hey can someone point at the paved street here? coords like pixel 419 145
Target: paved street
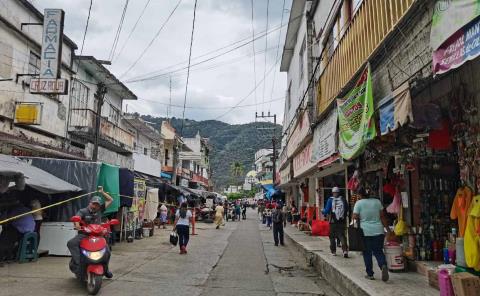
pixel 229 261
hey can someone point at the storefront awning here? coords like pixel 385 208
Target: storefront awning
pixel 34 177
pixel 166 175
pixel 395 109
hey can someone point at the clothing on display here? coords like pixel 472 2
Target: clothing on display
pixel 460 207
pixel 472 235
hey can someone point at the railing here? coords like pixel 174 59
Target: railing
pixel 201 179
pixel 82 121
pixel 370 25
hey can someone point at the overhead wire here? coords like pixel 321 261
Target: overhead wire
pixel 188 70
pixel 265 59
pixel 133 29
pixel 254 62
pixel 153 39
pixel 86 26
pixel 276 55
pixel 119 31
pixel 206 108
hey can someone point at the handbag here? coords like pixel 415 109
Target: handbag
pixel 355 237
pixel 174 238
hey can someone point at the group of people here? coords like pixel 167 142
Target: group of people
pixel 225 211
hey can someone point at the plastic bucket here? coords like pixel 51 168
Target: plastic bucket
pixel 460 253
pixel 146 232
pixel 394 257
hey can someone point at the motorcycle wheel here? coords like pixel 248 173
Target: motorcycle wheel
pixel 94 283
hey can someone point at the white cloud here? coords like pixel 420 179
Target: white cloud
pixel 221 82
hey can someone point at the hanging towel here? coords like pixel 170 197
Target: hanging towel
pixel 151 204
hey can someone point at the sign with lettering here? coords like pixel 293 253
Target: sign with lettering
pixel 302 162
pixel 299 134
pixel 51 57
pixel 48 86
pixel 324 138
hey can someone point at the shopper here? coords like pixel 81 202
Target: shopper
pixel 369 211
pixel 244 210
pixel 268 215
pixel 337 213
pixel 279 221
pixel 219 212
pixel 163 211
pixel 183 219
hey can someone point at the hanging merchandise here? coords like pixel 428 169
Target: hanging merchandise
pixel 151 204
pixel 401 228
pixel 460 207
pixel 354 181
pixel 472 235
pixel 394 207
pixel 355 117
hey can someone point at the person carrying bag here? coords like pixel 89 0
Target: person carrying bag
pixel 337 210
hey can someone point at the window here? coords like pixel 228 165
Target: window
pixel 145 151
pixel 289 96
pixel 167 157
pixel 114 115
pixel 34 63
pixel 80 93
pixel 301 60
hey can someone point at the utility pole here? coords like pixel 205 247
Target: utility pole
pixel 99 96
pixel 274 139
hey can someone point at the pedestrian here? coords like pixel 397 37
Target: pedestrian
pixel 237 211
pixel 163 215
pixel 268 215
pixel 244 210
pixel 37 216
pixel 219 212
pixel 183 219
pixel 225 210
pixel 369 211
pixel 279 222
pixel 337 213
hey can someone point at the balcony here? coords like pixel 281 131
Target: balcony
pixel 112 137
pixel 372 23
pixel 200 179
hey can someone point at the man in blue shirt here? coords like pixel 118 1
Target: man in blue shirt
pixel 336 211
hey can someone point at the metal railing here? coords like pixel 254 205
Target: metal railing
pixel 369 27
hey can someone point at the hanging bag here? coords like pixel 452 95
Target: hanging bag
pixel 174 238
pixel 355 237
pixel 401 227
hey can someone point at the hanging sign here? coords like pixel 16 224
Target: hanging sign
pixel 324 144
pixel 51 56
pixel 299 133
pixel 355 117
pixel 302 161
pixel 48 86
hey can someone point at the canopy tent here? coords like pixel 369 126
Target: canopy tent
pixel 34 177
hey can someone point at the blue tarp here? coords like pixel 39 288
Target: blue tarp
pixel 166 175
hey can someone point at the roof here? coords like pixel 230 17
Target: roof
pixel 252 174
pixel 294 23
pixel 37 12
pixel 143 127
pixel 34 177
pixel 99 72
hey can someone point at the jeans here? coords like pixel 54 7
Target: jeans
pixel 373 244
pixel 269 221
pixel 74 247
pixel 337 232
pixel 278 233
pixel 183 232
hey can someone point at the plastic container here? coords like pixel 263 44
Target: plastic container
pixel 394 256
pixel 445 283
pixel 460 253
pixel 146 232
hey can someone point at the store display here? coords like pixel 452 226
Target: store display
pixel 472 235
pixel 460 207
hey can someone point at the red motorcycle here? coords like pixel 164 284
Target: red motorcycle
pixel 94 253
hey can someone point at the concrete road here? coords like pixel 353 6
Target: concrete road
pixel 230 261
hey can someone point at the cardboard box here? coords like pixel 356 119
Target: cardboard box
pixel 433 278
pixel 466 284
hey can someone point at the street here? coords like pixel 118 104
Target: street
pixel 229 261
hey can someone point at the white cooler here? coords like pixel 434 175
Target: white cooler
pixel 54 237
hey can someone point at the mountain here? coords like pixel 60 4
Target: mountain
pixel 229 143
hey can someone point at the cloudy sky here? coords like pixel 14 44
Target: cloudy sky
pixel 216 83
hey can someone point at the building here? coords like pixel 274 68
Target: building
pixel 148 146
pixel 31 124
pixel 197 161
pixel 172 169
pixel 250 180
pixel 264 166
pixel 115 142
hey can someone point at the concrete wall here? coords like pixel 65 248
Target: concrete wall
pixel 110 157
pixel 147 165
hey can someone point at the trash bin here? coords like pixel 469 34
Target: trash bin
pixel 394 256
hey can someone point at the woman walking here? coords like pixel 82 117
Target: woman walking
pixel 163 211
pixel 183 218
pixel 219 212
pixel 369 211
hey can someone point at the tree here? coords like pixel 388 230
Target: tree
pixel 236 170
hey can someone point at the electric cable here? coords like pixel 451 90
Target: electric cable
pixel 86 26
pixel 265 60
pixel 276 55
pixel 119 30
pixel 254 62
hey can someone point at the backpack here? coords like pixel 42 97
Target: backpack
pixel 278 217
pixel 339 207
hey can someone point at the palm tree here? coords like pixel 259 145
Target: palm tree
pixel 236 170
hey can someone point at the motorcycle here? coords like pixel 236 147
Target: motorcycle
pixel 94 254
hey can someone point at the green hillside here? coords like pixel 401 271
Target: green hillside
pixel 230 143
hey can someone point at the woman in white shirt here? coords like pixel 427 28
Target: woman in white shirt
pixel 183 218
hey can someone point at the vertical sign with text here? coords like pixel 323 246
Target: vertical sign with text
pixel 52 43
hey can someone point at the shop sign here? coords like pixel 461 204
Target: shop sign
pixel 28 113
pixel 324 138
pixel 51 56
pixel 48 86
pixel 302 162
pixel 462 46
pixel 355 117
pixel 285 175
pixel 299 133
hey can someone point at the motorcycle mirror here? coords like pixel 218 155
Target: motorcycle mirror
pixel 76 219
pixel 114 222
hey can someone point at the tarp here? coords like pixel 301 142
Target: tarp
pixel 126 178
pixel 34 177
pixel 109 180
pixel 151 204
pixel 166 175
pixel 395 109
pixel 355 117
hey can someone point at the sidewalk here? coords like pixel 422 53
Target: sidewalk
pixel 347 275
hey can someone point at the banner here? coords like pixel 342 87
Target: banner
pixel 450 16
pixel 355 117
pixel 324 138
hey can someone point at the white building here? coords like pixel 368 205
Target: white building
pixel 264 166
pixel 197 161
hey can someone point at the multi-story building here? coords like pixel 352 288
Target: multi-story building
pixel 172 169
pixel 264 166
pixel 197 161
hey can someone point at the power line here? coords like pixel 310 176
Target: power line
pixel 188 70
pixel 86 26
pixel 134 27
pixel 119 30
pixel 265 60
pixel 153 40
pixel 254 62
pixel 209 108
pixel 278 48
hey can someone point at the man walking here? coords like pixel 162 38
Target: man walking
pixel 279 221
pixel 337 210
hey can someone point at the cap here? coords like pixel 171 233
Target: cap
pixel 96 199
pixel 335 190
